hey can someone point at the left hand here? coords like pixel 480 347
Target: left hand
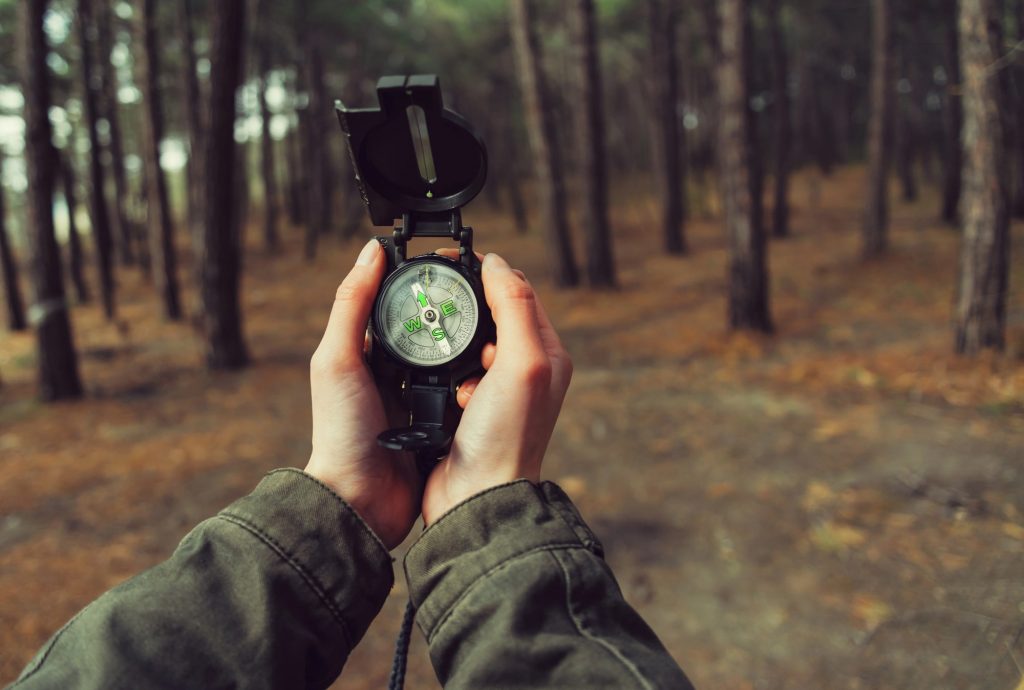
pixel 382 486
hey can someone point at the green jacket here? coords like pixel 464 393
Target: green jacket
pixel 510 587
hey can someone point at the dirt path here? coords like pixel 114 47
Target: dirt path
pixel 840 506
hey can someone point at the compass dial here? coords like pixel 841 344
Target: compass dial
pixel 427 312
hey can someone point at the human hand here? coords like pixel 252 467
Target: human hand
pixel 348 413
pixel 510 412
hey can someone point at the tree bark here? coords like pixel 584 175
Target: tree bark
pixel 221 256
pixel 9 272
pixel 748 271
pixel 161 230
pixel 782 128
pixel 270 206
pixel 98 213
pixel 984 254
pixel 876 216
pixel 547 165
pixel 194 127
pixel 121 227
pixel 58 364
pixel 74 242
pixel 663 21
pixel 591 141
pixel 952 169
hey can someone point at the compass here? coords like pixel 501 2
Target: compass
pixel 417 163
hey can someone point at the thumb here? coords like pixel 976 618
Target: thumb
pixel 343 341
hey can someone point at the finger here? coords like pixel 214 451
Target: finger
pixel 453 253
pixel 344 339
pixel 561 363
pixel 513 306
pixel 465 391
pixel 487 355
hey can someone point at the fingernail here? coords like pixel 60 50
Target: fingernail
pixel 492 261
pixel 368 253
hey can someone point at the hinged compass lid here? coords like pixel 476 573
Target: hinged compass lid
pixel 412 155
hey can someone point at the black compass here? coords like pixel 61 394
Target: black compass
pixel 417 163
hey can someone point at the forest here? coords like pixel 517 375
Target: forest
pixel 775 235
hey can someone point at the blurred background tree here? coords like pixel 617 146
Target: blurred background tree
pixel 575 100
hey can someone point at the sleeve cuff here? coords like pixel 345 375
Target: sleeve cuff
pixel 480 534
pixel 323 539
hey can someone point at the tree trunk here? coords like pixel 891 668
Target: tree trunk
pixel 876 216
pixel 221 257
pixel 98 213
pixel 591 142
pixel 953 114
pixel 120 224
pixel 312 199
pixel 318 203
pixel 161 231
pixel 9 270
pixel 905 130
pixel 985 252
pixel 270 207
pixel 58 364
pixel 540 124
pixel 293 144
pixel 192 105
pixel 782 129
pixel 662 24
pixel 74 242
pixel 748 272
pixel 1018 77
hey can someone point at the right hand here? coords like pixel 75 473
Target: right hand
pixel 511 411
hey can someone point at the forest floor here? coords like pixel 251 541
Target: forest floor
pixel 840 505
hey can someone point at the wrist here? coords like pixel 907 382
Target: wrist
pixel 370 503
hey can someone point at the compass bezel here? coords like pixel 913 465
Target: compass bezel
pixel 476 342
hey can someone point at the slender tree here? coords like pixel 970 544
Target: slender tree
pixel 192 104
pixel 293 144
pixel 876 216
pixel 317 203
pixel 121 226
pixel 98 213
pixel 9 269
pixel 663 20
pixel 985 251
pixel 74 242
pixel 748 270
pixel 952 164
pixel 161 231
pixel 782 131
pixel 1018 76
pixel 58 365
pixel 270 206
pixel 221 251
pixel 547 165
pixel 591 142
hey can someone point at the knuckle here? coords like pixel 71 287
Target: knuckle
pixel 518 291
pixel 537 372
pixel 348 290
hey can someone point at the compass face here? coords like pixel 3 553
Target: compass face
pixel 427 313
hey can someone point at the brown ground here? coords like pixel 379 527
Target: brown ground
pixel 839 506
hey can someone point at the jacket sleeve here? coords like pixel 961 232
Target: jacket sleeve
pixel 512 591
pixel 274 591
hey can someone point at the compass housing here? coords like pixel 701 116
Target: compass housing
pixel 468 358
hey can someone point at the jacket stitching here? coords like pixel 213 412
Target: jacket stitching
pixel 341 501
pixel 450 611
pixel 582 628
pixel 311 581
pixel 41 659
